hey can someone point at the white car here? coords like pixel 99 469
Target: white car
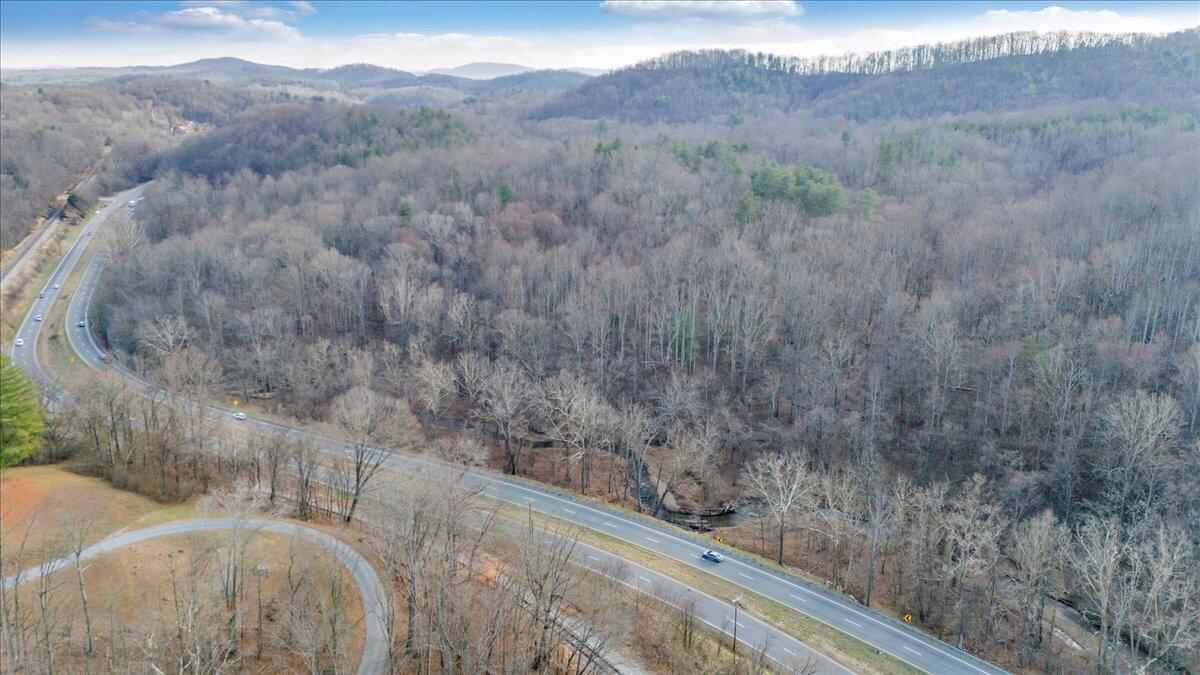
pixel 19 342
pixel 713 556
pixel 82 324
pixel 239 416
pixel 38 317
pixel 58 285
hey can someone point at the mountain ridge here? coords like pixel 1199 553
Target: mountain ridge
pixel 234 70
pixel 1017 69
pixel 482 70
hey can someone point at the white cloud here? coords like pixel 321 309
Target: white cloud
pixel 256 10
pixel 1055 18
pixel 200 21
pixel 704 10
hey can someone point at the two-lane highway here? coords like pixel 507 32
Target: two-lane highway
pixel 24 346
pixel 837 611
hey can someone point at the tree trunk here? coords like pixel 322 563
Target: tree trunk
pixel 782 530
pixel 510 458
pixel 87 615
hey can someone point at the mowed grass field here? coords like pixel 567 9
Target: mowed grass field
pixel 37 502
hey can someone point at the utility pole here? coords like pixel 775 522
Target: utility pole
pixel 260 572
pixel 736 603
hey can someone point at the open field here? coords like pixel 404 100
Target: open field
pixel 137 590
pixel 37 500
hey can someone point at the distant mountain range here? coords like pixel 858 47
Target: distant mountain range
pixel 359 81
pixel 233 69
pixel 483 70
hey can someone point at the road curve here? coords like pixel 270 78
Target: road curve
pixel 26 356
pixel 840 612
pixel 370 587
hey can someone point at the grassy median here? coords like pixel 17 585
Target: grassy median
pixel 852 653
pixel 30 282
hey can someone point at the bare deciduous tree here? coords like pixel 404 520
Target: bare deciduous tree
pixel 377 427
pixel 435 385
pixel 783 484
pixel 507 400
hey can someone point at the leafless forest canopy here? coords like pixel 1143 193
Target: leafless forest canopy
pixel 935 334
pixel 53 137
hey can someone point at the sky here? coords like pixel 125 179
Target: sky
pixel 418 36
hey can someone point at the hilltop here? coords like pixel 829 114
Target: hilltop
pixel 1006 72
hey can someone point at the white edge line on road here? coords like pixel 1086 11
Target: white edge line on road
pixel 828 598
pixel 926 641
pixel 724 630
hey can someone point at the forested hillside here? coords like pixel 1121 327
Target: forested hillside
pixel 953 312
pixel 1005 73
pixel 273 139
pixel 54 136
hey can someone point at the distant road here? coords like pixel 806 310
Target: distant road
pixel 370 587
pixel 27 251
pixel 840 612
pixel 26 357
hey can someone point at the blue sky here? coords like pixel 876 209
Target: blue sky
pixel 598 34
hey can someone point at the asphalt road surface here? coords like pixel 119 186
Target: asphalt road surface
pixel 837 611
pixel 26 356
pixel 28 250
pixel 370 587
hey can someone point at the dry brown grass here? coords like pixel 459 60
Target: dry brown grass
pixel 35 500
pixel 131 595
